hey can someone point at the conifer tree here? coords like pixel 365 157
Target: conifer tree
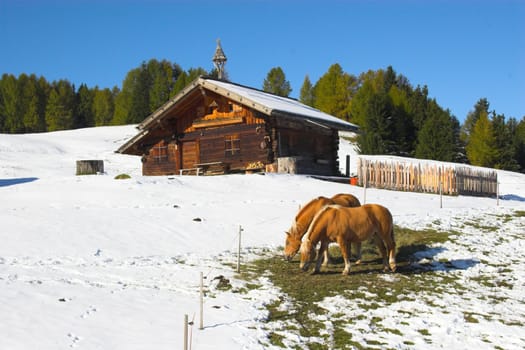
pixel 12 104
pixel 436 139
pixel 504 135
pixel 377 132
pixel 481 147
pixel 481 107
pixel 103 106
pixel 333 92
pixel 60 106
pixel 84 110
pixel 307 92
pixel 519 144
pixel 33 100
pixel 276 83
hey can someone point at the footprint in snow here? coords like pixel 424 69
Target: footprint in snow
pixel 74 339
pixel 91 310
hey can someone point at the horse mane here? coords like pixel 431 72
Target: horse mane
pixel 304 209
pixel 316 219
pixel 307 207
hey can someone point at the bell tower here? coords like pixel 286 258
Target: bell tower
pixel 219 60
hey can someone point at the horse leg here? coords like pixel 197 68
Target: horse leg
pixel 382 249
pixel 358 253
pixel 391 246
pixel 320 256
pixel 346 253
pixel 327 258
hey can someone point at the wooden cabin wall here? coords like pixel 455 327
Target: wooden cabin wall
pixel 304 143
pixel 161 159
pixel 188 120
pixel 312 152
pixel 219 145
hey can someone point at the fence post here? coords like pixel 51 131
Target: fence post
pixel 497 193
pixel 239 251
pixel 364 190
pixel 201 323
pixel 186 332
pixel 347 165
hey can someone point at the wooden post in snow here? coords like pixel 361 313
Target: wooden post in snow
pixel 347 165
pixel 440 189
pixel 497 193
pixel 201 303
pixel 239 251
pixel 185 332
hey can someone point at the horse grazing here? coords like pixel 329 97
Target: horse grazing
pixel 343 225
pixel 305 216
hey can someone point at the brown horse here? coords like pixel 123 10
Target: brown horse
pixel 305 216
pixel 343 225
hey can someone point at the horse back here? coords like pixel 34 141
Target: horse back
pixel 305 216
pixel 346 200
pixel 381 215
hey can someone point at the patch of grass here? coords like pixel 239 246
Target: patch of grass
pixel 519 213
pixel 122 177
pixel 367 285
pixel 424 331
pixel 469 317
pixel 276 339
pixel 479 226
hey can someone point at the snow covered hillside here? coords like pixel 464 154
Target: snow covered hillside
pixel 97 263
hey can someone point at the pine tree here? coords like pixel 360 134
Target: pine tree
pixel 519 144
pixel 482 147
pixel 12 104
pixel 276 83
pixel 333 92
pixel 504 135
pixel 60 106
pixel 377 132
pixel 481 107
pixel 84 111
pixel 103 106
pixel 33 100
pixel 163 77
pixel 307 92
pixel 436 138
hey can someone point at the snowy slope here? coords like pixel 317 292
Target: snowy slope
pixel 98 263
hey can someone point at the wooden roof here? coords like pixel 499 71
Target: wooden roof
pixel 263 102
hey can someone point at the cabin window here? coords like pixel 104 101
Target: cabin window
pixel 160 153
pixel 232 145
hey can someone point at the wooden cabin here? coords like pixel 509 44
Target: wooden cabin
pixel 216 127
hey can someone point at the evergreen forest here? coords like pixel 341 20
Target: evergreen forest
pixel 395 117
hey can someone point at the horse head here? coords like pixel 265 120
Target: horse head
pixel 293 240
pixel 307 254
pixel 291 244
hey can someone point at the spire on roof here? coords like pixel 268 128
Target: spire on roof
pixel 219 60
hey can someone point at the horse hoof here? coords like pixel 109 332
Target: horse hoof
pixel 358 262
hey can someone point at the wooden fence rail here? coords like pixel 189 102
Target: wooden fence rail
pixel 428 177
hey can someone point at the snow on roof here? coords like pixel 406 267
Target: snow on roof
pixel 274 104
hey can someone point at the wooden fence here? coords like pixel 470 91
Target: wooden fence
pixel 430 177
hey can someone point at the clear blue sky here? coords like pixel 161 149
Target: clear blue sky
pixel 462 50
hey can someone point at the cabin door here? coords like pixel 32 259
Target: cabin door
pixel 190 154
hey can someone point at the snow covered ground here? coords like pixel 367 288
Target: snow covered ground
pixel 97 263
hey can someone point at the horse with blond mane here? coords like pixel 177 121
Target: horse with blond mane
pixel 344 225
pixel 305 216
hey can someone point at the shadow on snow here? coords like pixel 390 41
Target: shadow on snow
pixel 17 181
